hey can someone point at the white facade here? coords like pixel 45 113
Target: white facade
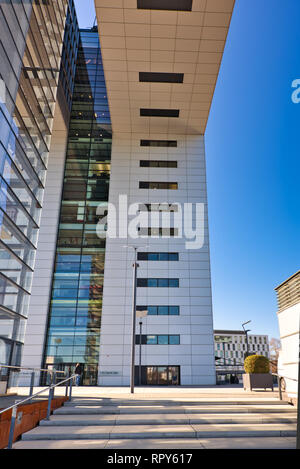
pixel 139 40
pixel 288 360
pixel 36 328
pixel 288 296
pixel 194 324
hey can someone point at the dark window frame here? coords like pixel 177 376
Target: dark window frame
pixel 144 282
pixel 158 164
pixel 158 143
pixel 177 5
pixel 160 77
pixel 147 112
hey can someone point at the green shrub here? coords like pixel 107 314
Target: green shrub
pixel 256 364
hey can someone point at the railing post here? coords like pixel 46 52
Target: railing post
pixel 279 388
pixel 49 403
pixel 70 391
pixel 12 427
pixel 54 382
pixel 31 383
pixel 67 383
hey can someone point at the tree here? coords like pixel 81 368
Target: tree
pixel 275 347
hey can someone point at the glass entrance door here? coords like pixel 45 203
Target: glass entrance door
pixel 88 377
pixel 162 375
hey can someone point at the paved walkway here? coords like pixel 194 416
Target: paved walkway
pixel 153 392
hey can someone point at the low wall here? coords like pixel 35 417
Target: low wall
pixel 28 417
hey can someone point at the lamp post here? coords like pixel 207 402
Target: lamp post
pixel 246 334
pixel 298 399
pixel 140 361
pixel 135 266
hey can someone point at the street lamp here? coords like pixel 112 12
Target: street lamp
pixel 135 265
pixel 298 398
pixel 140 361
pixel 246 334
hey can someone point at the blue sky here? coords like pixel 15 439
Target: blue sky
pixel 252 151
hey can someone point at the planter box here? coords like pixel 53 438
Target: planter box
pixel 28 417
pixel 257 381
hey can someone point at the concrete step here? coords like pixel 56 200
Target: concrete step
pixel 169 403
pixel 169 419
pixel 109 432
pixel 164 443
pixel 172 409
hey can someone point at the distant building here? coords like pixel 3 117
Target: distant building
pixel 230 350
pixel 288 297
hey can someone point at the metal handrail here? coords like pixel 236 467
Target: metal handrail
pixel 32 369
pixel 280 377
pixel 285 377
pixel 51 395
pixel 33 372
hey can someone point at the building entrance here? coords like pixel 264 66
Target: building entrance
pixel 89 375
pixel 158 375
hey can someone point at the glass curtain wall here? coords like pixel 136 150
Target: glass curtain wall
pixel 76 304
pixel 31 38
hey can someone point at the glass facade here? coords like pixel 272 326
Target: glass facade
pixel 31 39
pixel 69 56
pixel 75 310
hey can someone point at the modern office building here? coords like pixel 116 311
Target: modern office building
pixel 127 178
pixel 161 62
pixel 288 314
pixel 231 349
pixel 32 35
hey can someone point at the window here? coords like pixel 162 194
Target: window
pixel 158 164
pixel 156 77
pixel 151 340
pixel 180 5
pixel 158 256
pixel 158 282
pixel 158 185
pixel 161 339
pixel 158 143
pixel 156 207
pixel 159 310
pixel 174 339
pixel 159 112
pixel 157 232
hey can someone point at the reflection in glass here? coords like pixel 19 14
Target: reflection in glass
pixel 75 313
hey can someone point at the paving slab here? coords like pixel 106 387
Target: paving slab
pixel 240 409
pixel 64 410
pixel 207 443
pixel 68 433
pixel 153 431
pixel 249 443
pixel 63 444
pixel 245 430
